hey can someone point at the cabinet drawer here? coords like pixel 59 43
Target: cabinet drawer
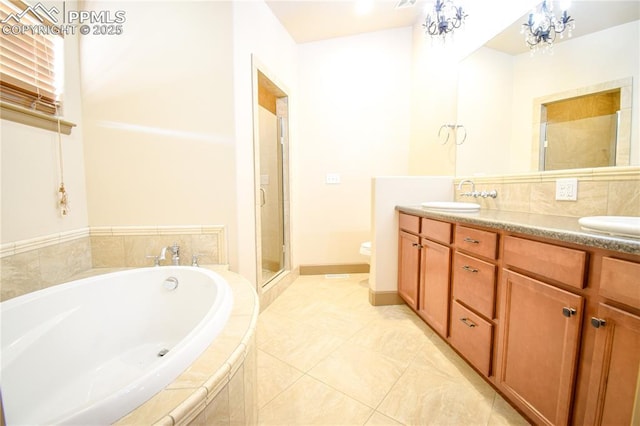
pixel 471 335
pixel 620 281
pixel 474 283
pixel 561 264
pixel 482 243
pixel 409 223
pixel 436 230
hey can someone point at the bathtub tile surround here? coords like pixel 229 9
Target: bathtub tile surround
pixel 127 246
pixel 32 265
pixel 370 365
pixel 38 263
pixel 220 387
pixel 601 191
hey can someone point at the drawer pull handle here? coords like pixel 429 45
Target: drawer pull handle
pixel 469 268
pixel 567 312
pixel 471 240
pixel 468 322
pixel 597 322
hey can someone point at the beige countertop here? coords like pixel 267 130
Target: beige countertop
pixel 562 228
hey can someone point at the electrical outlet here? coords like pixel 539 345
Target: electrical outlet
pixel 567 189
pixel 332 178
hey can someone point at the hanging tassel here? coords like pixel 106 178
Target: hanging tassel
pixel 63 201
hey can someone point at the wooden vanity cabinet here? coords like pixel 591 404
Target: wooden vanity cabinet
pixel 615 367
pixel 473 296
pixel 424 267
pixel 433 306
pixel 408 268
pixel 555 327
pixel 614 378
pixel 540 328
pixel 538 347
pixel 409 259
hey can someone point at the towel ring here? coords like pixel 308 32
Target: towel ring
pixel 448 134
pixel 460 126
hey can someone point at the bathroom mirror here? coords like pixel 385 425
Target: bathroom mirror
pixel 504 89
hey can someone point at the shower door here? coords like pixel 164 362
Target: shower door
pixel 272 118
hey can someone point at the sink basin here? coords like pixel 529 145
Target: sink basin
pixel 451 206
pixel 627 226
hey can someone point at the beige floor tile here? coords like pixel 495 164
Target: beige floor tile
pixel 360 373
pixel 504 414
pixel 427 397
pixel 437 354
pixel 274 376
pixel 310 402
pixel 357 355
pixel 398 338
pixel 378 419
pixel 272 324
pixel 302 349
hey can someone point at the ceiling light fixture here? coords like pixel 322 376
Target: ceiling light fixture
pixel 443 18
pixel 542 27
pixel 405 3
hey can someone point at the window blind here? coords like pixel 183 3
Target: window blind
pixel 27 62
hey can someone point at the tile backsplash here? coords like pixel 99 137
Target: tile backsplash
pixel 601 191
pixel 30 265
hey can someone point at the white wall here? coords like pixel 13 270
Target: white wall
pixel 389 192
pixel 159 119
pixel 258 33
pixel 485 93
pixel 354 118
pixel 30 173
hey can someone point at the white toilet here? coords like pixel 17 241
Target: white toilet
pixel 365 249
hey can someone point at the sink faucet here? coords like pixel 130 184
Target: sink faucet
pixel 473 192
pixel 175 254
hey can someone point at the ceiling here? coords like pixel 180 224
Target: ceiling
pixel 319 20
pixel 309 21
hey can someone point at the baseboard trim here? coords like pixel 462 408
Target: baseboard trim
pixel 353 268
pixel 383 298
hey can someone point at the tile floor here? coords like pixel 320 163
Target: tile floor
pixel 326 356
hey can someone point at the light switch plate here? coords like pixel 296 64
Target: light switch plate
pixel 332 178
pixel 567 189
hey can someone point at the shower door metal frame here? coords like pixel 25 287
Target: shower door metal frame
pixel 281 93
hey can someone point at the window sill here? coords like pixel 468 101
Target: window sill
pixel 34 118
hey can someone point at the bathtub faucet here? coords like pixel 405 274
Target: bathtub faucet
pixel 175 253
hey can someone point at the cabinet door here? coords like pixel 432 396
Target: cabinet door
pixel 434 285
pixel 408 268
pixel 539 338
pixel 614 376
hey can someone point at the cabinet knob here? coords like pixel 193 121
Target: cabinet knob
pixel 468 322
pixel 469 268
pixel 597 322
pixel 416 245
pixel 567 312
pixel 471 240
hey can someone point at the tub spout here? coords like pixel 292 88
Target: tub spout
pixel 175 254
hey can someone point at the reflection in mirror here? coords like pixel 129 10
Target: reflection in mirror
pixel 581 132
pixel 502 88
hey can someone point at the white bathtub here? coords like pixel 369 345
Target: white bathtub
pixel 88 351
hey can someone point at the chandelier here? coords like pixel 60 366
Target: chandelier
pixel 444 18
pixel 543 26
